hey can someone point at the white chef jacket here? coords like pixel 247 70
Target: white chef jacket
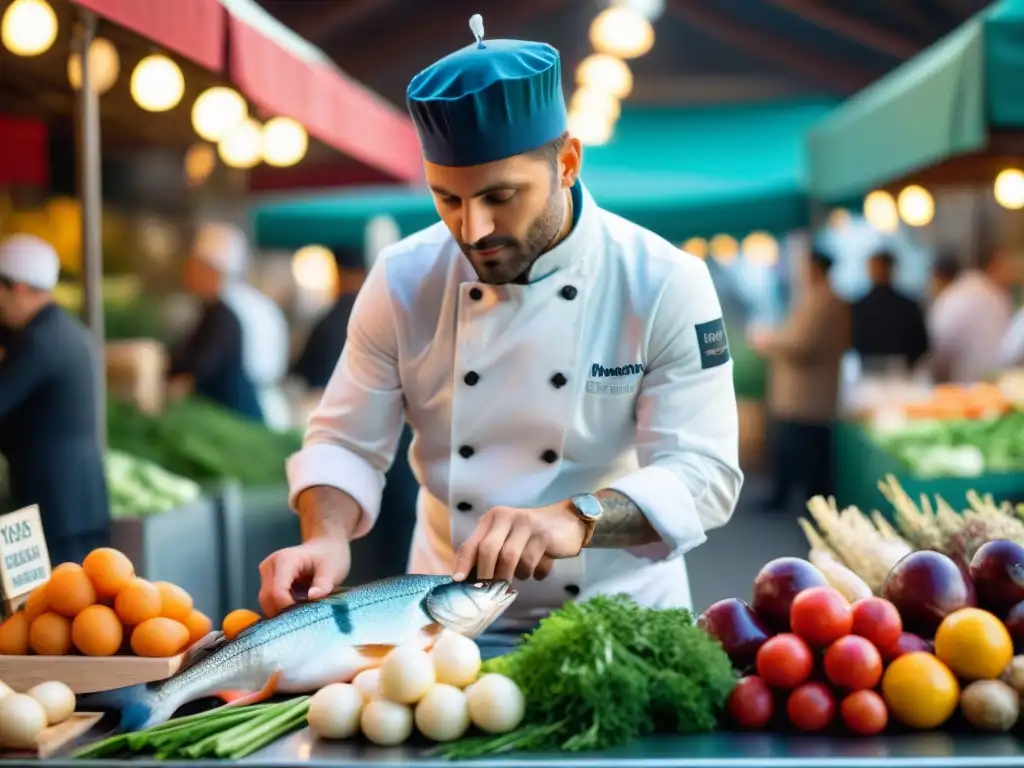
pixel 265 347
pixel 605 371
pixel 967 324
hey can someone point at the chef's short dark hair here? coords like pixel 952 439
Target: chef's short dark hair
pixel 550 151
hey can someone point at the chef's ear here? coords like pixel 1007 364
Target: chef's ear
pixel 570 158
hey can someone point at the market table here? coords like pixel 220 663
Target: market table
pixel 724 750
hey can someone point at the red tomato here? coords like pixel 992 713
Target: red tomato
pixel 751 704
pixel 811 707
pixel 853 663
pixel 864 712
pixel 906 643
pixel 820 615
pixel 878 620
pixel 784 661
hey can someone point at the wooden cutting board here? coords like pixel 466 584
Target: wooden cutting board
pixel 55 738
pixel 85 674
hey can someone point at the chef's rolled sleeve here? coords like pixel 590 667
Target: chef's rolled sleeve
pixel 353 433
pixel 687 429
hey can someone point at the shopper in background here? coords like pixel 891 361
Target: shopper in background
pixel 49 425
pixel 944 272
pixel 887 324
pixel 210 361
pixel 805 356
pixel 970 318
pixel 323 347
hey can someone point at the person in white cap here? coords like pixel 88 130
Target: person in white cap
pixel 238 352
pixel 49 425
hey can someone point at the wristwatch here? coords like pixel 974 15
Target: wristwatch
pixel 588 509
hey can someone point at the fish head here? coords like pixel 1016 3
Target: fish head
pixel 469 607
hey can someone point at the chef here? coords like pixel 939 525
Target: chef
pixel 238 351
pixel 566 373
pixel 49 426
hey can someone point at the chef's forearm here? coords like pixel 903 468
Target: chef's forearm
pixel 326 512
pixel 622 523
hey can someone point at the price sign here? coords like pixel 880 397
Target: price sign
pixel 24 559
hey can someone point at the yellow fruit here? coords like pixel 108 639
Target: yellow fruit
pixel 109 570
pixel 14 635
pixel 974 643
pixel 50 635
pixel 137 602
pixel 237 621
pixel 920 691
pixel 97 631
pixel 159 637
pixel 175 602
pixel 69 590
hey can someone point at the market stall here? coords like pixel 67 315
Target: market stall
pixel 942 440
pixel 962 98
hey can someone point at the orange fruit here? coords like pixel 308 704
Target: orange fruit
pixel 14 635
pixel 69 590
pixel 109 570
pixel 50 635
pixel 238 620
pixel 198 625
pixel 176 603
pixel 159 637
pixel 36 604
pixel 974 643
pixel 920 690
pixel 137 602
pixel 97 631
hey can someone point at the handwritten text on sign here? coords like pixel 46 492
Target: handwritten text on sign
pixel 24 559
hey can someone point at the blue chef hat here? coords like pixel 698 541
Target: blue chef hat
pixel 488 101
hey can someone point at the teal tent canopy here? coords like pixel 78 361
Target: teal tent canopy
pixel 940 105
pixel 681 173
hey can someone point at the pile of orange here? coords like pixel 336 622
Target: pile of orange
pixel 101 608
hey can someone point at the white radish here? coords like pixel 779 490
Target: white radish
pixel 334 711
pixel 496 704
pixel 386 723
pixel 368 683
pixel 406 674
pixel 443 714
pixel 456 659
pixel 22 719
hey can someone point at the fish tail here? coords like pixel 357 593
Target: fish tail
pixel 140 706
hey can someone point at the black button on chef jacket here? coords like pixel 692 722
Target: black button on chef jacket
pixel 49 431
pixel 212 355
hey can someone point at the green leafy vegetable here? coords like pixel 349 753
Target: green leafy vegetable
pixel 228 733
pixel 602 673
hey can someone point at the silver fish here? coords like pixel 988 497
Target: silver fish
pixel 316 643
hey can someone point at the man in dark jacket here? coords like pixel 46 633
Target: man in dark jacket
pixel 887 323
pixel 49 426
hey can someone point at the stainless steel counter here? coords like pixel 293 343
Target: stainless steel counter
pixel 931 750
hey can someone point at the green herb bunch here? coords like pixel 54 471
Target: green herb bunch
pixel 602 673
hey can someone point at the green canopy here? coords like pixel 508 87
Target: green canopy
pixel 681 173
pixel 938 105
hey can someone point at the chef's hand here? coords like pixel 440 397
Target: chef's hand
pixel 759 338
pixel 522 543
pixel 320 564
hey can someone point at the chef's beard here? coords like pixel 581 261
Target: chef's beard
pixel 512 264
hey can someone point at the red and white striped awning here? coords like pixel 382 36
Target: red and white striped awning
pixel 280 72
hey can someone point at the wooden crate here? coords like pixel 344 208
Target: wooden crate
pixel 84 674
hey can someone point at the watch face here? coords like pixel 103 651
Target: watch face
pixel 588 505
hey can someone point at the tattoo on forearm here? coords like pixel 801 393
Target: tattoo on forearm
pixel 622 524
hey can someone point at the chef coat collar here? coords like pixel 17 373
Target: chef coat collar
pixel 576 243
